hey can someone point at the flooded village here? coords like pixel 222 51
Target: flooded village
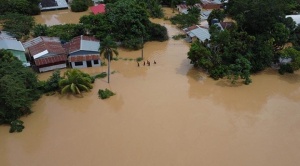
pixel 165 114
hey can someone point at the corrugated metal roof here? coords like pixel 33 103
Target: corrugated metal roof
pixel 80 58
pixel 296 18
pixel 201 33
pixel 11 44
pixel 39 40
pixel 205 2
pixel 51 60
pixel 5 34
pixel 86 43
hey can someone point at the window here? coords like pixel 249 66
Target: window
pixel 96 61
pixel 78 63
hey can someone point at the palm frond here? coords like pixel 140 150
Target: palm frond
pixel 77 90
pixel 65 89
pixel 73 88
pixel 83 87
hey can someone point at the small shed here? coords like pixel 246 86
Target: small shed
pixel 83 52
pixel 46 53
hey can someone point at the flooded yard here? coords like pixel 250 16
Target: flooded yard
pixel 165 114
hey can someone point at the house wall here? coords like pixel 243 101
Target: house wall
pixel 48 68
pixel 84 64
pixel 20 55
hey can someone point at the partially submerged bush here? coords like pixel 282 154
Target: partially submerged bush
pixel 101 75
pixel 104 94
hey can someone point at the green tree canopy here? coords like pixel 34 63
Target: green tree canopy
pixel 17 24
pixel 133 19
pixel 18 89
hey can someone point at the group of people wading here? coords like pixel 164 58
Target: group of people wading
pixel 148 63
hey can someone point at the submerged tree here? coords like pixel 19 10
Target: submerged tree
pixel 108 48
pixel 19 88
pixel 75 81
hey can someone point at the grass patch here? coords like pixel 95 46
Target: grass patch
pixel 104 94
pixel 115 58
pixel 113 72
pixel 179 36
pixel 139 59
pixel 125 59
pixel 130 59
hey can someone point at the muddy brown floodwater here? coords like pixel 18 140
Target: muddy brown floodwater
pixel 166 114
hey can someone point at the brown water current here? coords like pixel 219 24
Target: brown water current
pixel 166 114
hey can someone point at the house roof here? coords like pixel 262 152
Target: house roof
pixel 80 58
pixel 200 32
pixel 206 2
pixel 190 28
pixel 226 25
pixel 6 34
pixel 11 44
pixel 44 46
pixel 50 60
pixel 296 18
pixel 53 5
pixel 98 9
pixel 82 43
pixel 182 6
pixel 204 14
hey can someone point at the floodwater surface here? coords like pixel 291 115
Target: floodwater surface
pixel 165 114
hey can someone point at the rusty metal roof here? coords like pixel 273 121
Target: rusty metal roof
pixel 86 43
pixel 50 60
pixel 80 58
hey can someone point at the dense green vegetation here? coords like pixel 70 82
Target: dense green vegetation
pixel 65 31
pixel 19 88
pixel 80 5
pixel 133 19
pixel 26 7
pixel 254 44
pixel 104 94
pixel 51 85
pixel 17 24
pixel 185 20
pixel 216 14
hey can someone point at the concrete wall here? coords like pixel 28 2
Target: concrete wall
pixel 84 64
pixel 48 68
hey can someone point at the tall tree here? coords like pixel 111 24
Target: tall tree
pixel 108 48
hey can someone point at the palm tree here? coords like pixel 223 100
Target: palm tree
pixel 108 48
pixel 75 81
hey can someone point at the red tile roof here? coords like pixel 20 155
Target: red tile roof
pixel 47 61
pixel 80 58
pixel 98 9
